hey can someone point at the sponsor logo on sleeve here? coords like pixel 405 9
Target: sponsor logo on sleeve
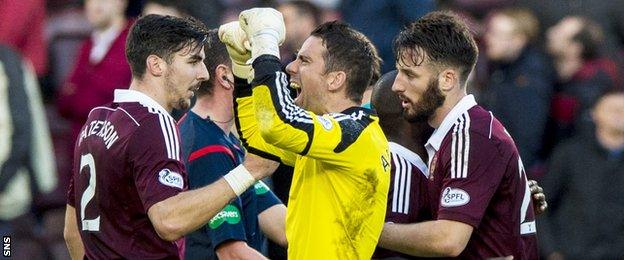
pixel 229 214
pixel 325 122
pixel 453 197
pixel 261 188
pixel 171 179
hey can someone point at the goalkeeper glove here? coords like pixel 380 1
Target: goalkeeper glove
pixel 238 48
pixel 265 30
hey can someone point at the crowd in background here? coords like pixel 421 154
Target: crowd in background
pixel 543 67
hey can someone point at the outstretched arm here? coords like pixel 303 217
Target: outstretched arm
pixel 187 211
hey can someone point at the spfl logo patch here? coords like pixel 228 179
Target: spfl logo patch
pixel 454 197
pixel 171 179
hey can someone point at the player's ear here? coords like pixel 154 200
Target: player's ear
pixel 223 76
pixel 336 79
pixel 155 65
pixel 448 79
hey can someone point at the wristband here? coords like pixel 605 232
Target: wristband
pixel 239 179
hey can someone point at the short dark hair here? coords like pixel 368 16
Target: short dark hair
pixel 216 54
pixel 308 9
pixel 440 37
pixel 162 36
pixel 590 36
pixel 350 51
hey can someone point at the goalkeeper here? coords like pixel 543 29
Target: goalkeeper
pixel 341 178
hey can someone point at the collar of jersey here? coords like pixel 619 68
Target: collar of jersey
pixel 410 156
pixel 461 107
pixel 128 95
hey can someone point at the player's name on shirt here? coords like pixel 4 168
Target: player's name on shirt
pixel 103 129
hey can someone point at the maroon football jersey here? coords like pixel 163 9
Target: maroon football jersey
pixel 476 177
pixel 127 158
pixel 407 197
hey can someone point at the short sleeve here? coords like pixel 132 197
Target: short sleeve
pixel 228 224
pixel 208 169
pixel 154 155
pixel 266 197
pixel 474 174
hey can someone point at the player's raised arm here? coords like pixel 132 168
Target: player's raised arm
pixel 238 47
pixel 283 122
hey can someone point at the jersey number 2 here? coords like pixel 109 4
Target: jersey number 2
pixel 89 193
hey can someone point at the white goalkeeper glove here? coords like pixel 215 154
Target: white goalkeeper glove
pixel 265 30
pixel 238 48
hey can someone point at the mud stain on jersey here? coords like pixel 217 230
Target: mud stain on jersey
pixel 357 211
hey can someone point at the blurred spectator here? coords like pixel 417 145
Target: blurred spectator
pixel 476 8
pixel 300 18
pixel 101 66
pixel 584 74
pixel 521 80
pixel 210 12
pixel 381 20
pixel 232 8
pixel 584 185
pixel 21 27
pixel 66 29
pixel 27 168
pixel 608 14
pixel 162 7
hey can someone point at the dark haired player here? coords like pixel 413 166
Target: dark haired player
pixel 479 194
pixel 126 197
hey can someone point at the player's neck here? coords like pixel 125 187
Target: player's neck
pixel 451 100
pixel 217 108
pixel 338 104
pixel 148 88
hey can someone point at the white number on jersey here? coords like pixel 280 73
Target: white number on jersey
pixel 89 193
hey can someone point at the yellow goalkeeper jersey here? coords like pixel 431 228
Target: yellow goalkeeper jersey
pixel 340 185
